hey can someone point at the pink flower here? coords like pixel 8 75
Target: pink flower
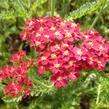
pixel 64 48
pixel 58 80
pixel 73 76
pixel 13 89
pixel 15 76
pixel 80 53
pixel 41 70
pixel 26 92
pixel 18 56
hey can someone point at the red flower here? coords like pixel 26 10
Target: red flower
pixel 59 80
pixel 41 70
pixel 26 92
pixel 73 76
pixel 16 74
pixel 63 49
pixel 18 56
pixel 13 89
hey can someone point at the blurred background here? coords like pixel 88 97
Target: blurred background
pixel 14 13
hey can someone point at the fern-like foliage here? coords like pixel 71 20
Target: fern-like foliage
pixel 13 14
pixel 41 85
pixel 85 9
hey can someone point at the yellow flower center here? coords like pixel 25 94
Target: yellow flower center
pixel 59 79
pixel 57 46
pixel 62 23
pixel 57 33
pixel 37 35
pixel 52 28
pixel 92 32
pixel 57 65
pixel 66 52
pixel 24 35
pixel 86 36
pixel 68 35
pixel 41 29
pixel 73 25
pixel 43 58
pixel 91 59
pixel 53 56
pixel 79 52
pixel 71 63
pixel 99 63
pixel 41 20
pixel 101 48
pixel 30 23
pixel 47 36
pixel 90 43
pixel 37 43
pixel 65 45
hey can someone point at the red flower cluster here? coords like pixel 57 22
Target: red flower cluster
pixel 64 50
pixel 15 77
pixel 17 57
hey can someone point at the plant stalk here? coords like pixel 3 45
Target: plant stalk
pixel 98 94
pixel 94 22
pixel 52 3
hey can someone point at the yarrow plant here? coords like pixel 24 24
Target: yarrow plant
pixel 15 77
pixel 63 50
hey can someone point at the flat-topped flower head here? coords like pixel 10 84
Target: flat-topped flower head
pixel 62 49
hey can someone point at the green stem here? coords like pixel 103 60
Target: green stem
pixel 65 7
pixel 98 15
pixel 98 94
pixel 21 46
pixel 52 3
pixel 94 22
pixel 17 107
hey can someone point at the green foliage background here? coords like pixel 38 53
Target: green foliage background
pixel 91 91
